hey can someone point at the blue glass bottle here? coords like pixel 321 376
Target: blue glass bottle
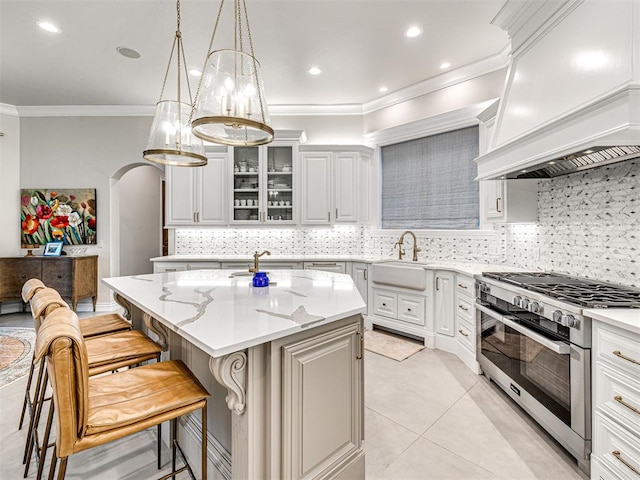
pixel 260 279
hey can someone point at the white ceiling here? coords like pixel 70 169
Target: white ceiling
pixel 359 45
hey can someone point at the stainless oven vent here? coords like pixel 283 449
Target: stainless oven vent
pixel 594 157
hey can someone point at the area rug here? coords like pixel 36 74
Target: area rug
pixel 16 351
pixel 391 346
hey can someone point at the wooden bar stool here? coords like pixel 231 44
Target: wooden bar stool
pixel 94 411
pixel 105 353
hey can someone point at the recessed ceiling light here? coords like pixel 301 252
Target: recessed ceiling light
pixel 383 89
pixel 128 52
pixel 444 65
pixel 413 32
pixel 194 73
pixel 49 27
pixel 315 71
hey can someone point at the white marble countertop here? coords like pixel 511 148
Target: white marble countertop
pixel 466 268
pixel 627 318
pixel 222 315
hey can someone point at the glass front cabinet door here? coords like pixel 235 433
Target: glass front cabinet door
pixel 264 184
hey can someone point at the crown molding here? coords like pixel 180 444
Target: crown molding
pixel 461 118
pixel 6 109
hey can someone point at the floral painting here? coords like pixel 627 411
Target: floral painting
pixel 67 216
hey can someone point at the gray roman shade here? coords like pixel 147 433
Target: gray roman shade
pixel 428 183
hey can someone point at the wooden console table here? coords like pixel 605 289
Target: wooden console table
pixel 74 278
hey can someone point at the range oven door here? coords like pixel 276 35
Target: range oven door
pixel 552 371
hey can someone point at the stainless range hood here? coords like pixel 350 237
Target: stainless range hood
pixel 572 95
pixel 590 158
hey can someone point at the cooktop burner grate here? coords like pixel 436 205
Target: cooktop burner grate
pixel 578 291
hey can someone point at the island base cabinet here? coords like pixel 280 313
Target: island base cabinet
pixel 322 403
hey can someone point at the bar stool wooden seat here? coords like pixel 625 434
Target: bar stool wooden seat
pixel 92 411
pixel 105 353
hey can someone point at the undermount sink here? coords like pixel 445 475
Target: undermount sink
pixel 243 273
pixel 398 273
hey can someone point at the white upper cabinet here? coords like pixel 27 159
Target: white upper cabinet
pixel 196 196
pixel 315 187
pixel 263 183
pixel 345 181
pixel 334 186
pixel 510 201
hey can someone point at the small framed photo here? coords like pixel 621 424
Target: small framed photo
pixel 52 249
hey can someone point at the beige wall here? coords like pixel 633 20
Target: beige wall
pixel 83 152
pixel 10 181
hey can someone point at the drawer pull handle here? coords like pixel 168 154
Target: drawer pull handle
pixel 618 455
pixel 361 352
pixel 617 353
pixel 462 307
pixel 618 398
pixel 462 286
pixel 462 332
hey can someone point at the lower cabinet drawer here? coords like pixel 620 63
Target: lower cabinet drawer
pixel 616 448
pixel 385 304
pixel 464 307
pixel 619 348
pixel 411 309
pixel 465 333
pixel 600 471
pixel 618 395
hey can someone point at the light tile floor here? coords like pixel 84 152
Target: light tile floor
pixel 428 417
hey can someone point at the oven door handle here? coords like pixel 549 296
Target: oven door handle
pixel 559 347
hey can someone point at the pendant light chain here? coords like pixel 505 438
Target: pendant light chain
pixel 206 58
pixel 171 141
pixel 255 61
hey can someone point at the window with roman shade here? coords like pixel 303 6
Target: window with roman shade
pixel 428 183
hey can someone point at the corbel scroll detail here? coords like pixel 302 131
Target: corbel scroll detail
pixel 230 372
pixel 124 303
pixel 157 328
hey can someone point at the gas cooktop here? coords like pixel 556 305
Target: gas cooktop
pixel 578 291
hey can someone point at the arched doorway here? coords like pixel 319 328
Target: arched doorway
pixel 138 218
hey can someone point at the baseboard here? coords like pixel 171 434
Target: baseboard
pixel 218 458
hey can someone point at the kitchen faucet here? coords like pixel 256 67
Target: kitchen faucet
pixel 256 265
pixel 400 242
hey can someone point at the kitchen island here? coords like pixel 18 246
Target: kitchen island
pixel 288 358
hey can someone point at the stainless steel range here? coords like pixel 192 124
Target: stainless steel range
pixel 535 343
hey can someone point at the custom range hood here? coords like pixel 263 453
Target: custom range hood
pixel 572 94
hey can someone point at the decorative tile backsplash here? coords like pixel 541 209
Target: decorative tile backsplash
pixel 344 240
pixel 340 240
pixel 588 226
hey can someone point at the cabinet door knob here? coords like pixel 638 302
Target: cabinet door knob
pixel 59 276
pixel 408 309
pixel 384 304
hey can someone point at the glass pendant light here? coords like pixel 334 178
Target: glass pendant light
pixel 230 106
pixel 171 141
